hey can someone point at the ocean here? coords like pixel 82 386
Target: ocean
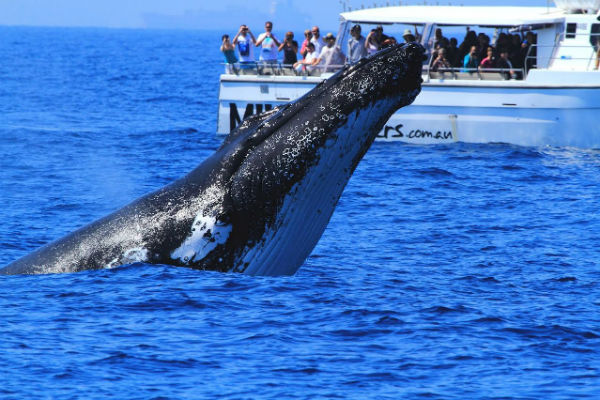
pixel 460 271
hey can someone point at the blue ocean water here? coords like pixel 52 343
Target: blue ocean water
pixel 447 272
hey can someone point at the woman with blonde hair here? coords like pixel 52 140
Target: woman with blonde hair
pixel 307 37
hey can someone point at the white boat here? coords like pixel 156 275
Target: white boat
pixel 553 99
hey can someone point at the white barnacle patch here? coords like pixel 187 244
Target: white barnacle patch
pixel 207 234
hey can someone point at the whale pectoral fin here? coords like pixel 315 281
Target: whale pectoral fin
pixel 250 124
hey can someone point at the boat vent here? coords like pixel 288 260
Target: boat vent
pixel 579 6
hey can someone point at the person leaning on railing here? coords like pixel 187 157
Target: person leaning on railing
pixel 441 63
pixel 309 61
pixel 505 64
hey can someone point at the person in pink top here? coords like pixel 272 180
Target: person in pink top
pixel 489 61
pixel 304 47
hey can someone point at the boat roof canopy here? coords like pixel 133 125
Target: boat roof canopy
pixel 457 15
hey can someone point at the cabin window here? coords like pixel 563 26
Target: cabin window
pixel 571 29
pixel 595 35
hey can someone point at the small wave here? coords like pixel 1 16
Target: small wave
pixel 553 331
pixel 164 99
pixel 487 279
pixel 307 371
pixel 434 172
pixel 355 333
pixel 489 320
pixel 118 78
pixel 182 131
pixel 566 279
pixel 389 321
pixel 524 153
pixel 512 167
pixel 446 310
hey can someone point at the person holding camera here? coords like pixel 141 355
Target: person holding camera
pixel 290 49
pixel 245 41
pixel 228 51
pixel 269 45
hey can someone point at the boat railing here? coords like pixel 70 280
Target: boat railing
pixel 582 60
pixel 279 69
pixel 481 74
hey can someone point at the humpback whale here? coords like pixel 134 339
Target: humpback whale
pixel 261 202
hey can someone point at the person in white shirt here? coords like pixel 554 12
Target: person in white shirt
pixel 331 57
pixel 317 40
pixel 309 61
pixel 244 41
pixel 269 45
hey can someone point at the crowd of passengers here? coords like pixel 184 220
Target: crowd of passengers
pixel 317 53
pixel 509 54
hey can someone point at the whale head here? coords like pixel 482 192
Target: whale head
pixel 280 174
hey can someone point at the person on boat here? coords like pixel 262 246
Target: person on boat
pixel 331 57
pixel 529 50
pixel 304 48
pixel 597 58
pixel 309 61
pixel 452 53
pixel 244 41
pixel 374 40
pixel 390 41
pixel 438 41
pixel 502 43
pixel 229 52
pixel 441 63
pixel 514 51
pixel 316 39
pixel 505 64
pixel 290 49
pixel 356 45
pixel 469 41
pixel 470 63
pixel 408 36
pixel 489 61
pixel 483 42
pixel 269 45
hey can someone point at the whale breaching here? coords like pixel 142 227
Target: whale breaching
pixel 261 202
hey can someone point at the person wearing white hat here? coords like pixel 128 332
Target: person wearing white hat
pixel 408 36
pixel 331 57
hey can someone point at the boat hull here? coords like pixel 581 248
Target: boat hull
pixel 499 112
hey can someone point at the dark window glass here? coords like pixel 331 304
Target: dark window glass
pixel 571 29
